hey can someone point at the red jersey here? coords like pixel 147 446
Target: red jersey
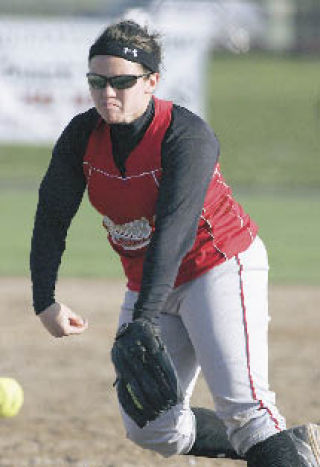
pixel 128 204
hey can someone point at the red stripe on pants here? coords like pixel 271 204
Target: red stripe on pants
pixel 245 323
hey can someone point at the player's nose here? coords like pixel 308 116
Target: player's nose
pixel 109 91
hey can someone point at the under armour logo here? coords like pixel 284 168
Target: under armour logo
pixel 134 52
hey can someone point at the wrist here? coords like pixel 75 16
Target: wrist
pixel 145 315
pixel 40 309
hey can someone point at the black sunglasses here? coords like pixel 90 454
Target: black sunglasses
pixel 118 82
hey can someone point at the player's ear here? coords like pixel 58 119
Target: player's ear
pixel 151 83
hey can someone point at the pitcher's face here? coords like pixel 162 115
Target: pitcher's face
pixel 121 105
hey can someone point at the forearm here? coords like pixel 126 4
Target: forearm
pixel 47 247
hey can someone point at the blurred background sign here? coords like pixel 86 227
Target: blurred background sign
pixel 43 62
pixel 42 75
pixel 44 47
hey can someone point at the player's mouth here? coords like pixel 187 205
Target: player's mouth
pixel 110 105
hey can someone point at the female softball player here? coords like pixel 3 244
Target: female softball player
pixel 196 268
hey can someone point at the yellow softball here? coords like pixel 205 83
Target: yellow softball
pixel 11 397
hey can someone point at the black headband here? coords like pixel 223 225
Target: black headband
pixel 128 52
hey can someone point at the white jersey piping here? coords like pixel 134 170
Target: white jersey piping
pixel 106 174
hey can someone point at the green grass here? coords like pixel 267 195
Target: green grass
pixel 87 253
pixel 22 166
pixel 266 112
pixel 288 225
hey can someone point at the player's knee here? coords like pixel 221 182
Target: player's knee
pixel 163 445
pixel 170 434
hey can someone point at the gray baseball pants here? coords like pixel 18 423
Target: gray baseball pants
pixel 219 323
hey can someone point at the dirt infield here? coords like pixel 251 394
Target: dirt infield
pixel 70 415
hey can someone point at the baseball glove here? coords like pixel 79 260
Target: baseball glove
pixel 147 383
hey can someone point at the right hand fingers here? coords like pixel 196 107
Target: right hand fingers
pixel 60 321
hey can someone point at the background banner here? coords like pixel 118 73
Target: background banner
pixel 43 62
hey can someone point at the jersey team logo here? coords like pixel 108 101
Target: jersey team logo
pixel 130 236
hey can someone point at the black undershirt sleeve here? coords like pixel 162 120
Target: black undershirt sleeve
pixel 60 195
pixel 189 154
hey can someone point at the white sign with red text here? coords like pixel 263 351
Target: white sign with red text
pixel 43 62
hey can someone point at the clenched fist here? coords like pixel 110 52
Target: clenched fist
pixel 60 321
